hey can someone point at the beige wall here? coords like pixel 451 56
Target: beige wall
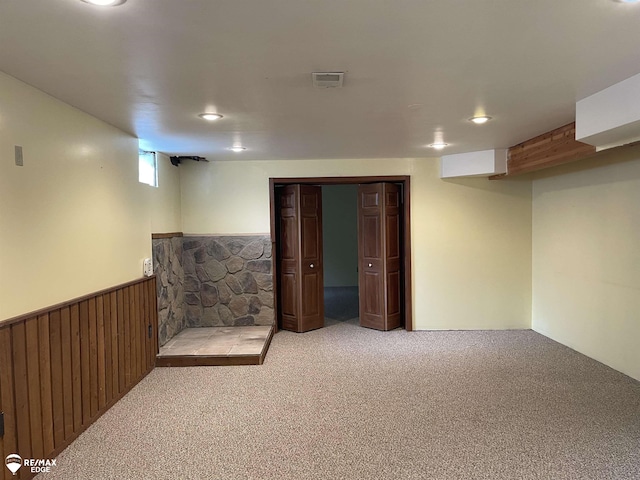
pixel 586 258
pixel 472 251
pixel 74 218
pixel 164 207
pixel 233 197
pixel 471 238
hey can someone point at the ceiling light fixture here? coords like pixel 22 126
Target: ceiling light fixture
pixel 439 145
pixel 105 3
pixel 627 1
pixel 237 149
pixel 211 117
pixel 480 119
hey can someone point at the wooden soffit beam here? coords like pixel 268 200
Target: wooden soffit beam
pixel 550 149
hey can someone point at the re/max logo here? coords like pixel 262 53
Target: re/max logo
pixel 39 462
pixel 35 465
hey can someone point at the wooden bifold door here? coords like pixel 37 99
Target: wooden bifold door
pixel 301 282
pixel 380 255
pixel 299 256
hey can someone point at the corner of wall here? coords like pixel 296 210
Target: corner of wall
pixel 210 281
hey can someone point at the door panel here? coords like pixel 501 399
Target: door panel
pixel 312 294
pixel 371 240
pixel 288 294
pixel 392 238
pixel 311 304
pixel 300 257
pixel 289 269
pixel 370 199
pixel 371 299
pixel 379 255
pixel 392 197
pixel 310 247
pixel 288 240
pixel 309 198
pixel 393 293
pixel 392 254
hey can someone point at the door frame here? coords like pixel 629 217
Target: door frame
pixel 404 180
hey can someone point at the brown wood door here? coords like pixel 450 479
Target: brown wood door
pixel 379 255
pixel 301 283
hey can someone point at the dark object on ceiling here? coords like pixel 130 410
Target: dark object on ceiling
pixel 175 161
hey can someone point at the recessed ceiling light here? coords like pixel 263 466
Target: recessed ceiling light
pixel 237 149
pixel 479 120
pixel 439 145
pixel 105 3
pixel 210 116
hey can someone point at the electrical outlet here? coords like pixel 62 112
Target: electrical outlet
pixel 147 267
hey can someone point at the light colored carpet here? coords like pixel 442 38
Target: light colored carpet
pixel 345 402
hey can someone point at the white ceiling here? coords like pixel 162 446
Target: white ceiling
pixel 150 67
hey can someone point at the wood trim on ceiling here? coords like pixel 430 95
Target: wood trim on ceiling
pixel 553 148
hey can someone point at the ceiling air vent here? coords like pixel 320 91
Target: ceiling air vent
pixel 327 79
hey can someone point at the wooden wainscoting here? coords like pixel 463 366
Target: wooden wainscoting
pixel 63 367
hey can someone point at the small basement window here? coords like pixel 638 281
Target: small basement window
pixel 147 168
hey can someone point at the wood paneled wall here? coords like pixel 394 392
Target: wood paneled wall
pixel 61 368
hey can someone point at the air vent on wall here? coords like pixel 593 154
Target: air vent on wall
pixel 327 79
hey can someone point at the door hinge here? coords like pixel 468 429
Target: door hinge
pixel 150 331
pixel 1 424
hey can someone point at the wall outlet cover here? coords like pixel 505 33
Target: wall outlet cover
pixel 147 267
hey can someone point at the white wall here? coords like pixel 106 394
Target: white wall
pixel 586 258
pixel 471 238
pixel 74 219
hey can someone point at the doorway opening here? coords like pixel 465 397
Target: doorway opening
pixel 340 251
pixel 288 225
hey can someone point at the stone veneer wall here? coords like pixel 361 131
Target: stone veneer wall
pixel 167 265
pixel 227 280
pixel 208 281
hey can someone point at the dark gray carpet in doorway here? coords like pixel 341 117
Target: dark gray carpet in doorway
pixel 341 303
pixel 345 402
